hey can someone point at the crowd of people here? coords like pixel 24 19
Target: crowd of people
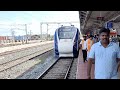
pixel 86 43
pixel 103 51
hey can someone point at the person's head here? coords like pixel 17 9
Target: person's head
pixel 91 37
pixel 84 37
pixel 88 35
pixel 104 35
pixel 97 36
pixel 94 36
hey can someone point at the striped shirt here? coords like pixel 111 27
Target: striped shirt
pixel 105 60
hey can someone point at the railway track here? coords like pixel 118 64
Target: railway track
pixel 12 67
pixel 19 61
pixel 17 69
pixel 59 70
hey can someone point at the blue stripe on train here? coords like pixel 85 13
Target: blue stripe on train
pixel 75 52
pixel 56 45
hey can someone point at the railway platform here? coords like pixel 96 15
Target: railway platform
pixel 82 68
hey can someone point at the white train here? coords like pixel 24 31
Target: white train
pixel 66 41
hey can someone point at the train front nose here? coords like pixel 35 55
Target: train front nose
pixel 65 47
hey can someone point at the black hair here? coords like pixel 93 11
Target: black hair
pixel 95 36
pixel 104 30
pixel 91 35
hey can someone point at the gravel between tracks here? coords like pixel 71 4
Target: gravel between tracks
pixel 58 71
pixel 37 70
pixel 72 74
pixel 16 71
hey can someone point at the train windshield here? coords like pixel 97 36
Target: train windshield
pixel 66 33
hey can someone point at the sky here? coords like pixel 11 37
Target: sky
pixel 10 19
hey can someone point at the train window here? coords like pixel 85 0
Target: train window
pixel 66 33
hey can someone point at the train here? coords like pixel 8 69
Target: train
pixel 66 41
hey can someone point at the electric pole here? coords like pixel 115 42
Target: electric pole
pixel 26 32
pixel 47 31
pixel 41 30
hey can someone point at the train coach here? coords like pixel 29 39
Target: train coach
pixel 66 41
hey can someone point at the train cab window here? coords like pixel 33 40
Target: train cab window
pixel 66 33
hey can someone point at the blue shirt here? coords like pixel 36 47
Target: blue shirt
pixel 105 59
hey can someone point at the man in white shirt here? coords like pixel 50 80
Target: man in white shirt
pixel 84 48
pixel 106 55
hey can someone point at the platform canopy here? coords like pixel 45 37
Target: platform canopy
pixel 94 20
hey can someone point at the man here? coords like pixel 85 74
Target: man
pixel 90 42
pixel 106 55
pixel 84 47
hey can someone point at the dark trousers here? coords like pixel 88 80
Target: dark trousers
pixel 84 55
